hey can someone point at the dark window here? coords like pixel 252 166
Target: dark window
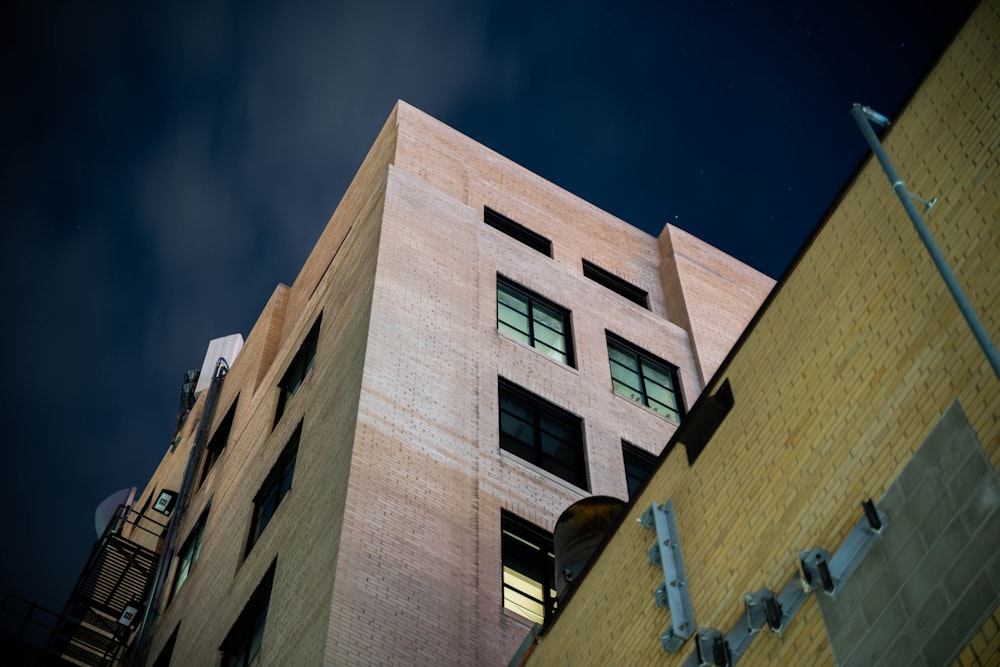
pixel 528 568
pixel 188 555
pixel 638 464
pixel 616 284
pixel 219 440
pixel 241 646
pixel 517 231
pixel 276 485
pixel 542 433
pixel 533 320
pixel 298 369
pixel 645 379
pixel 167 652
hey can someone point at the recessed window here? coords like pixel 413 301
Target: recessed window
pixel 528 568
pixel 517 231
pixel 276 486
pixel 645 379
pixel 298 370
pixel 188 555
pixel 638 464
pixel 616 284
pixel 167 652
pixel 542 434
pixel 219 440
pixel 533 320
pixel 241 646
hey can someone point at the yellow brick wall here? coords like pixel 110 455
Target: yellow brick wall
pixel 845 374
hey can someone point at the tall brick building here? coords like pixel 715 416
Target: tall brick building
pixel 467 351
pixel 858 379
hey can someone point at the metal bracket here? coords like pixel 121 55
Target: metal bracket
pixel 673 592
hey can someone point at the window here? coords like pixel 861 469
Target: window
pixel 528 568
pixel 616 284
pixel 517 231
pixel 529 318
pixel 643 378
pixel 241 647
pixel 219 441
pixel 298 369
pixel 189 553
pixel 276 486
pixel 167 652
pixel 638 464
pixel 542 433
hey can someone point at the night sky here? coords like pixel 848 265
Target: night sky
pixel 164 168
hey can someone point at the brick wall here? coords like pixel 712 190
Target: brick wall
pixel 847 371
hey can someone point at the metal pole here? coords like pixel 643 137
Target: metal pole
pixel 864 116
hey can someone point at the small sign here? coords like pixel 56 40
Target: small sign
pixel 165 503
pixel 128 616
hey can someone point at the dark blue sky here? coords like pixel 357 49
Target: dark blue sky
pixel 163 168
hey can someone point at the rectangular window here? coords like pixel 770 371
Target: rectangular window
pixel 645 379
pixel 638 464
pixel 542 434
pixel 528 568
pixel 298 369
pixel 188 555
pixel 616 284
pixel 276 486
pixel 518 231
pixel 219 440
pixel 533 320
pixel 241 647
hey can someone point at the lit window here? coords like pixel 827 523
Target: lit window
pixel 645 379
pixel 241 647
pixel 638 464
pixel 534 321
pixel 542 433
pixel 298 370
pixel 219 440
pixel 189 553
pixel 276 485
pixel 528 568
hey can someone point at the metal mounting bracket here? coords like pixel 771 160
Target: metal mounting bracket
pixel 673 592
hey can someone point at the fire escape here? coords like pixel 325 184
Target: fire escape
pixel 106 605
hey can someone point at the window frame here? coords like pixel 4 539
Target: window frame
pixel 219 440
pixel 619 286
pixel 642 458
pixel 534 301
pixel 515 532
pixel 189 553
pixel 516 230
pixel 541 414
pixel 273 489
pixel 645 360
pixel 245 638
pixel 298 369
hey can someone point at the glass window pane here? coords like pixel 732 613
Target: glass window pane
pixel 624 358
pixel 658 375
pixel 548 318
pixel 551 338
pixel 516 334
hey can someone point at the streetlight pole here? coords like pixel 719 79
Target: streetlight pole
pixel 865 117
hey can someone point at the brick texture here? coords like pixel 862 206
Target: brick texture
pixel 855 359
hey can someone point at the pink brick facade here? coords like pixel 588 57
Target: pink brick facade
pixel 388 544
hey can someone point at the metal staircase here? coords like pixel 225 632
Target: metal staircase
pixel 106 604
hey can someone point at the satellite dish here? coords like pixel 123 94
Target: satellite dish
pixel 105 512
